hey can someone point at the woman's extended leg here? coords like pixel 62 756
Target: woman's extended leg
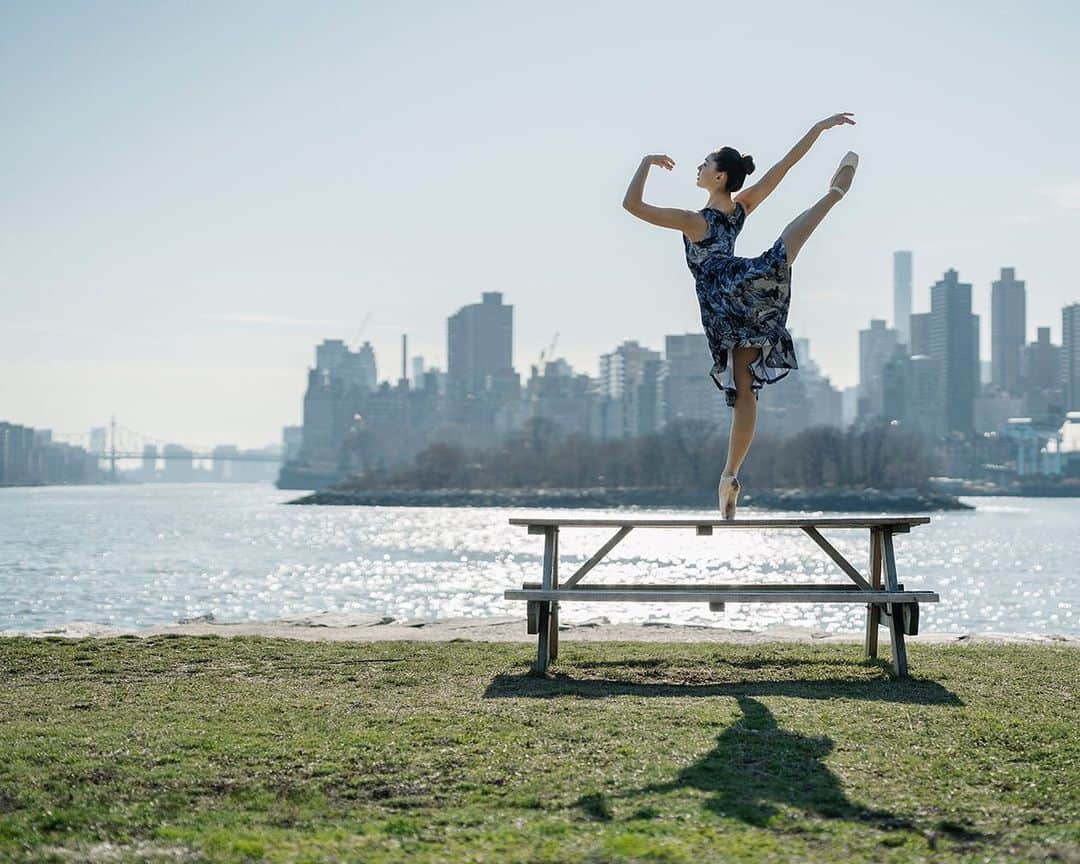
pixel 744 412
pixel 802 226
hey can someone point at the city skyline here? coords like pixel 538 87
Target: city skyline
pixel 361 367
pixel 184 220
pixel 352 421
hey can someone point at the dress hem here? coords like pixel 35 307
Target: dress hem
pixel 724 376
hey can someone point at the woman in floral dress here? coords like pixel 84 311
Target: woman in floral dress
pixel 743 301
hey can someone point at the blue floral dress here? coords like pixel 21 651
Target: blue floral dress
pixel 744 301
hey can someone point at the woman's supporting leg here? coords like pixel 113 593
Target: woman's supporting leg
pixel 744 412
pixel 802 226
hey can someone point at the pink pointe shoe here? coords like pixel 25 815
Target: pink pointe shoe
pixel 850 160
pixel 729 493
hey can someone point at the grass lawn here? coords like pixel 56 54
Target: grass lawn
pixel 185 748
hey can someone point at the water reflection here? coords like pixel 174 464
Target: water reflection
pixel 144 555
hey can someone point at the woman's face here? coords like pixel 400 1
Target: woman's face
pixel 708 177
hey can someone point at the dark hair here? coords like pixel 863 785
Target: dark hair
pixel 736 165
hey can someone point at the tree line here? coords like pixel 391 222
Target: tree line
pixel 686 454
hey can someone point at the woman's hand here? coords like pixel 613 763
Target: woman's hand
pixel 662 161
pixel 841 119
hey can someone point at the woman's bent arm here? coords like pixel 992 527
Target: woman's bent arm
pixel 687 221
pixel 636 189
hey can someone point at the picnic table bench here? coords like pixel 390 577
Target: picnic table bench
pixel 887 605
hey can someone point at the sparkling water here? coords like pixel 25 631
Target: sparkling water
pixel 135 556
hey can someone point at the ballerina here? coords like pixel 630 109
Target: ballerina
pixel 743 301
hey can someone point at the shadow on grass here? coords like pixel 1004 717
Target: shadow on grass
pixel 755 768
pixel 911 691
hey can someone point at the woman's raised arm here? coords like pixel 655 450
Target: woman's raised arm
pixel 691 223
pixel 751 196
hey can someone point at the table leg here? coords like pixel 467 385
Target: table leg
pixel 873 612
pixel 896 615
pixel 553 636
pixel 543 648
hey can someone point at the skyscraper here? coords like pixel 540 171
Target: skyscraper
pixel 954 342
pixel 876 347
pixel 1070 355
pixel 352 368
pixel 688 389
pixel 1041 376
pixel 479 346
pixel 902 296
pixel 821 404
pixel 629 386
pixel 1008 326
pixel 920 334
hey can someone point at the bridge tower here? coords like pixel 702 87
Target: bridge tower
pixel 112 454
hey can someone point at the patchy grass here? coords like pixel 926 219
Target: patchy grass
pixel 180 748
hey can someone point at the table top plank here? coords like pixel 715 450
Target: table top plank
pixel 718 522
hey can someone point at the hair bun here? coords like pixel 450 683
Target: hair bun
pixel 748 164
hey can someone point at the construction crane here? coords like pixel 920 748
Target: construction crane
pixel 363 327
pixel 548 352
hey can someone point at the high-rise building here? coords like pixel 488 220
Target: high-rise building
pixel 359 368
pixel 849 404
pixel 954 342
pixel 479 346
pixel 821 403
pixel 29 456
pixel 629 391
pixel 330 354
pixel 924 395
pixel 1070 355
pixel 352 368
pixel 561 396
pixel 1041 366
pixel 912 392
pixel 1008 326
pixel 689 392
pixel 1040 372
pixel 920 334
pixel 876 346
pixel 902 296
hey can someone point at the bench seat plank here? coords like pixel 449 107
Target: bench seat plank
pixel 709 586
pixel 746 595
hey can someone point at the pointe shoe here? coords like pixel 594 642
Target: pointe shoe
pixel 850 160
pixel 728 493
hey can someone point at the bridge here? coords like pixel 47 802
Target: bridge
pixel 192 456
pixel 118 443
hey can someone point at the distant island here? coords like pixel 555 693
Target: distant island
pixel 880 468
pixel 867 499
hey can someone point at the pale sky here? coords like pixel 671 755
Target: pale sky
pixel 195 194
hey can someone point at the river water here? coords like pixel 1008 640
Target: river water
pixel 135 556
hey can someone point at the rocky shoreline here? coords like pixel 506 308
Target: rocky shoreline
pixel 893 501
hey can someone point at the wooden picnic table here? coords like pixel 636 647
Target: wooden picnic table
pixel 887 603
